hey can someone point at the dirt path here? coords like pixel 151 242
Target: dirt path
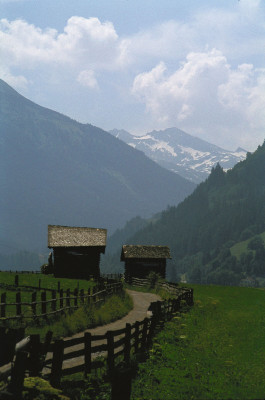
pixel 141 303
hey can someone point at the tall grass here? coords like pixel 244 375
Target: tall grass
pixel 215 351
pixel 47 281
pixel 115 307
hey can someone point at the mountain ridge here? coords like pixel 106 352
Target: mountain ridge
pixel 176 150
pixel 55 170
pixel 226 208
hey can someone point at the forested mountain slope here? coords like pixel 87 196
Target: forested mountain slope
pixel 222 210
pixel 54 170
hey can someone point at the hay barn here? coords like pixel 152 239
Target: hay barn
pixel 140 260
pixel 76 251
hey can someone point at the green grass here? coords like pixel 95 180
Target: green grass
pixel 7 280
pixel 215 351
pixel 115 307
pixel 47 281
pixel 242 247
pixel 146 289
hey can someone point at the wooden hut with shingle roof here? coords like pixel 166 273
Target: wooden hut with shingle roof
pixel 76 251
pixel 140 260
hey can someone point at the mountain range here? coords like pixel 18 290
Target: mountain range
pixel 225 209
pixel 187 155
pixel 54 170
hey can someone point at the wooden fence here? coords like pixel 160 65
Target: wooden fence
pixel 59 301
pixel 88 352
pixel 81 354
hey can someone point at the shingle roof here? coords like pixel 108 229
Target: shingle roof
pixel 141 251
pixel 66 236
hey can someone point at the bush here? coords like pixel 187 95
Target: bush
pixel 46 269
pixel 153 278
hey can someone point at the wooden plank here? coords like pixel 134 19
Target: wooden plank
pixel 57 363
pixel 95 338
pixel 100 348
pixel 119 343
pixel 118 353
pixel 18 301
pixel 88 351
pixel 73 342
pixel 127 343
pixel 110 349
pixel 3 305
pixel 119 332
pixel 73 370
pixel 73 354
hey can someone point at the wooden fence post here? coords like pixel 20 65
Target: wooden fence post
pixel 82 294
pixel 18 303
pixel 136 339
pixel 3 305
pixel 53 304
pixel 151 330
pixel 68 298
pixel 87 353
pixel 88 297
pixel 18 373
pixel 58 286
pixel 43 303
pixel 127 343
pixel 33 303
pixel 34 357
pixel 144 334
pixel 16 280
pixel 61 298
pixel 39 284
pixel 76 297
pixel 57 363
pixel 110 349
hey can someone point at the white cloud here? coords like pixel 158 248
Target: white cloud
pixel 87 78
pixel 206 96
pixel 183 83
pixel 84 45
pixel 18 82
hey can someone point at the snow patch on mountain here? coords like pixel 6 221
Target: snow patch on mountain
pixel 187 155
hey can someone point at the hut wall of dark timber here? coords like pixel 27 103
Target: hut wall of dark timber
pixel 141 260
pixel 76 251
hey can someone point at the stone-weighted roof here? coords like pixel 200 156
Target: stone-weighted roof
pixel 67 236
pixel 142 251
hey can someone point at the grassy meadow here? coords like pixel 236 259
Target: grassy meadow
pixel 214 351
pixel 65 324
pixel 47 281
pixel 242 247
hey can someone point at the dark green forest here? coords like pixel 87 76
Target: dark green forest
pixel 226 208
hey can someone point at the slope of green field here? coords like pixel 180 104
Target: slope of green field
pixel 215 351
pixel 242 247
pixel 47 281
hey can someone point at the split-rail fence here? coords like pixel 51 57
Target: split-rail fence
pixel 59 301
pixel 90 352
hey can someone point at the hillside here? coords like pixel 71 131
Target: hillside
pixel 55 170
pixel 221 211
pixel 187 155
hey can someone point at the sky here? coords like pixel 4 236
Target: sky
pixel 142 65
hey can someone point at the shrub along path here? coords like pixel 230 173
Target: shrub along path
pixel 141 303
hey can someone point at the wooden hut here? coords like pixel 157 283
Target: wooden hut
pixel 141 260
pixel 76 251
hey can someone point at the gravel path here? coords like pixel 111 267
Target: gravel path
pixel 141 303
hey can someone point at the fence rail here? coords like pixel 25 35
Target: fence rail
pixel 86 353
pixel 66 300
